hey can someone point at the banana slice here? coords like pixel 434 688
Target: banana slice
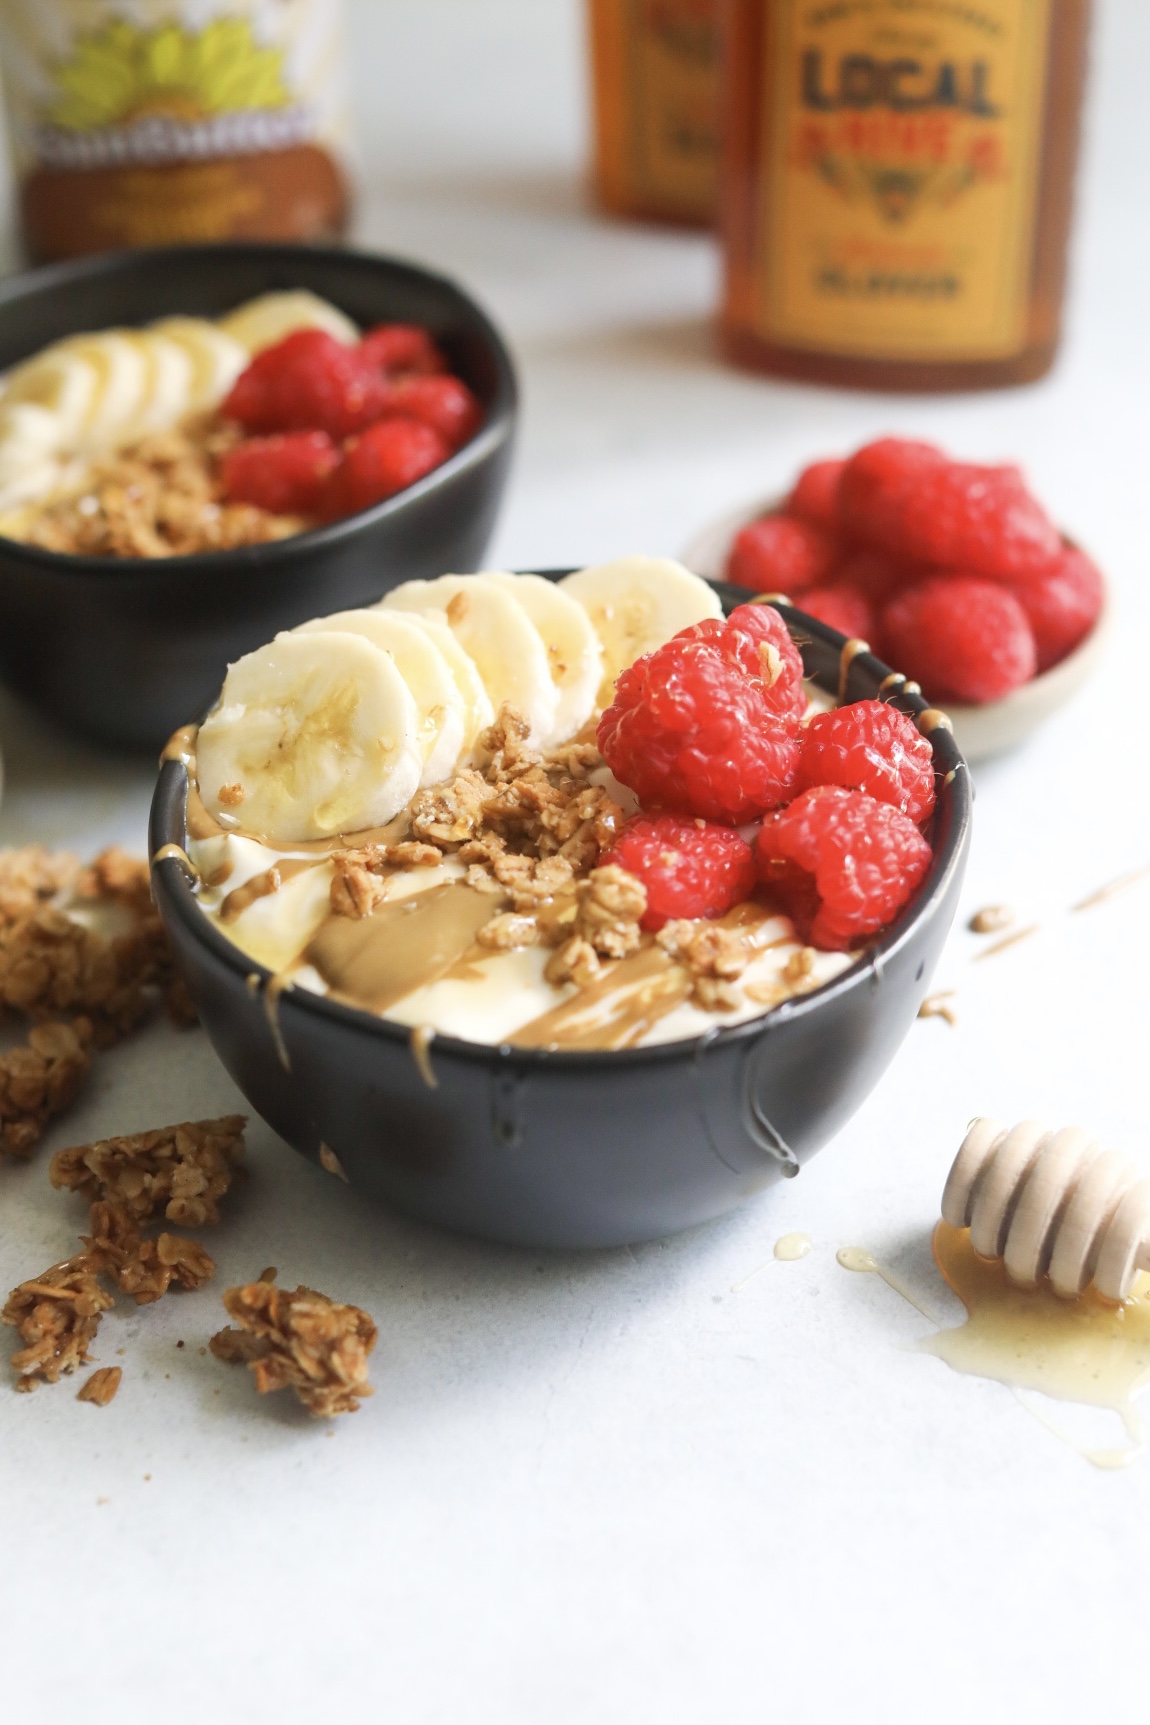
pixel 637 603
pixel 438 703
pixel 314 735
pixel 261 322
pixel 122 381
pixel 167 384
pixel 496 632
pixel 478 712
pixel 29 451
pixel 58 382
pixel 217 359
pixel 573 650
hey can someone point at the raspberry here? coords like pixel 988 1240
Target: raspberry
pixel 1062 606
pixel 779 555
pixel 907 498
pixel 815 495
pixel 961 638
pixel 843 607
pixel 384 459
pixel 706 724
pixel 874 574
pixel 401 349
pixel 870 747
pixel 444 403
pixel 285 473
pixel 841 863
pixel 689 869
pixel 306 382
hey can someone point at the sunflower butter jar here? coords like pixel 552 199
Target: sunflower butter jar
pixel 167 122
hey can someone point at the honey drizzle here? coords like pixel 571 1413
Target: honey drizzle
pixel 177 853
pixel 1083 1351
pixel 262 885
pixel 858 1259
pixel 271 996
pixel 1007 940
pixel 420 1041
pixel 1115 886
pixel 850 652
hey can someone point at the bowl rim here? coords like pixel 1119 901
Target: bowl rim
pixel 1064 670
pixel 168 825
pixel 497 427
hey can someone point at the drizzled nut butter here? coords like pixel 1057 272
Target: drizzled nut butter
pixel 897 187
pixel 170 123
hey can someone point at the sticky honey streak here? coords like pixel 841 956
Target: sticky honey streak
pixel 1085 1351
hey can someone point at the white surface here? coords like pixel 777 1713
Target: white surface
pixel 606 1487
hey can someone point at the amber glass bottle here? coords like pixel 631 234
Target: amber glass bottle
pixel 655 71
pixel 897 184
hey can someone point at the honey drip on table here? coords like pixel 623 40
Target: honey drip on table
pixel 1085 1350
pixel 789 1248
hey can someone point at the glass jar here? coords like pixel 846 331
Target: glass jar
pixel 897 184
pixel 171 122
pixel 655 66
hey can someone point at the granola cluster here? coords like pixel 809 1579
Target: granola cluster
pixel 56 1316
pixel 160 498
pixel 299 1340
pixel 715 956
pixel 83 989
pixel 40 1080
pixel 181 1171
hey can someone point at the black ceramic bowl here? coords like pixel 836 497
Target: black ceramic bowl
pixel 564 1148
pixel 124 650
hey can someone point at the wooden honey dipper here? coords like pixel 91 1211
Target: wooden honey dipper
pixel 1051 1204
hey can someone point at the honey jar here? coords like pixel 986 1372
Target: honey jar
pixel 169 122
pixel 655 66
pixel 897 182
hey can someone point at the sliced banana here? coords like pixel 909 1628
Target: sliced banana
pixel 122 383
pixel 573 650
pixel 637 603
pixel 478 712
pixel 167 384
pixel 29 451
pixel 261 322
pixel 217 358
pixel 60 383
pixel 495 631
pixel 314 735
pixel 427 674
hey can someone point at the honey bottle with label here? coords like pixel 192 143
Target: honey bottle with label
pixel 896 187
pixel 655 71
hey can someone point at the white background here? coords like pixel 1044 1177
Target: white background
pixel 604 1486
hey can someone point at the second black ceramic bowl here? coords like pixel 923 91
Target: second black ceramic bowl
pixel 123 650
pixel 561 1148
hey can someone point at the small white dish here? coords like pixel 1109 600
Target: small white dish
pixel 979 731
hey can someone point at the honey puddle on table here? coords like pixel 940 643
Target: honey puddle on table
pixel 1085 1350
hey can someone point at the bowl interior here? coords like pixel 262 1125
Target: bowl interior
pixel 830 662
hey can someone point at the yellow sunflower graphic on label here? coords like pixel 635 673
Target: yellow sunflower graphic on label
pixel 121 73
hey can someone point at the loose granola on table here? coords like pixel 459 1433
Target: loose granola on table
pixel 82 988
pixel 181 1170
pixel 300 1340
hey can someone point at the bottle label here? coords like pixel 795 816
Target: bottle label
pixel 901 149
pixel 672 77
pixel 173 120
